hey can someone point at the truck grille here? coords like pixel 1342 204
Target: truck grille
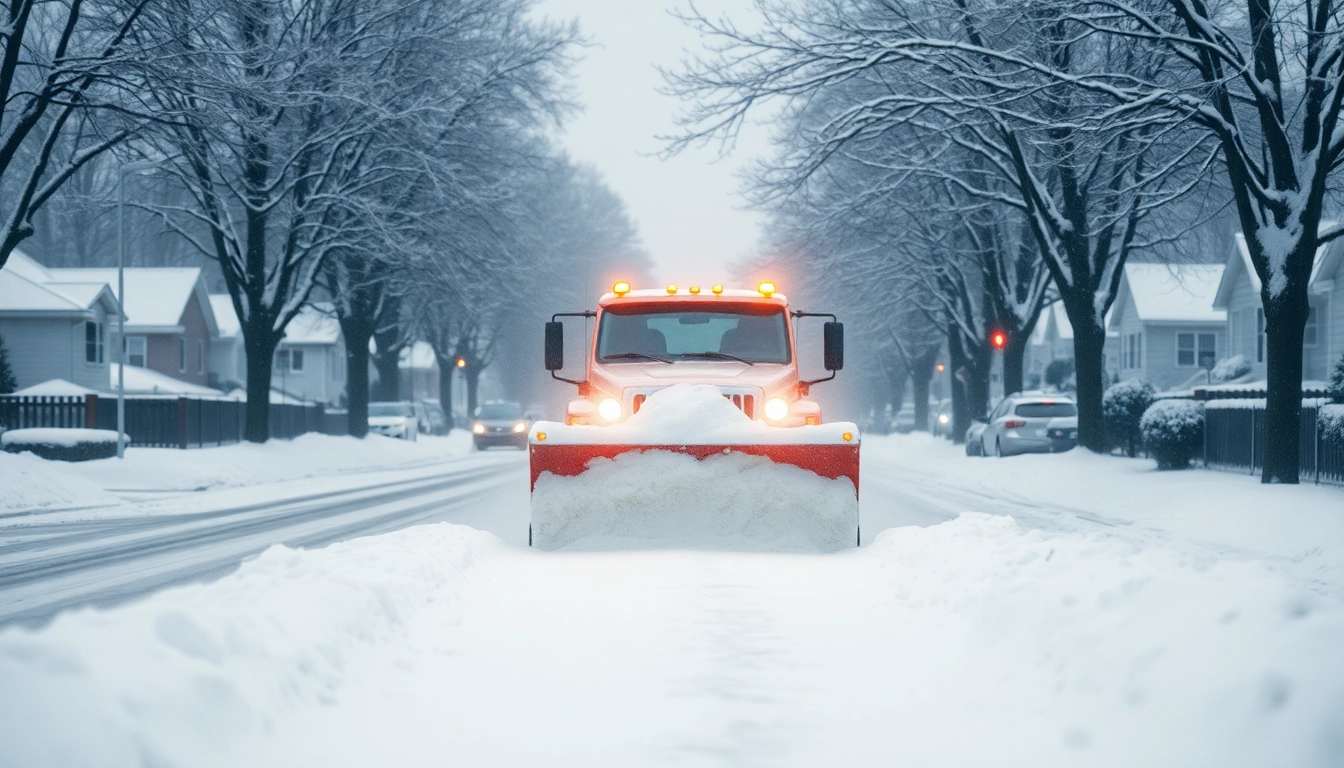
pixel 744 403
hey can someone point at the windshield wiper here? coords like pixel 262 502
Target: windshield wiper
pixel 634 356
pixel 717 356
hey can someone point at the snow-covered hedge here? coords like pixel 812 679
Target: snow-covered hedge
pixel 1122 408
pixel 1173 431
pixel 1231 368
pixel 1331 421
pixel 61 444
pixel 1337 381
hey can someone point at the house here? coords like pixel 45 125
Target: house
pixel 169 319
pixel 419 372
pixel 309 364
pixel 310 359
pixel 1164 318
pixel 1052 339
pixel 55 328
pixel 228 359
pixel 1323 339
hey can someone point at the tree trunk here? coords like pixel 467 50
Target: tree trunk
pixel 473 376
pixel 260 348
pixel 961 401
pixel 1285 320
pixel 1013 353
pixel 357 333
pixel 389 375
pixel 920 376
pixel 446 388
pixel 1089 363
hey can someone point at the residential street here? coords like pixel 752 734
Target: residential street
pixel 1107 634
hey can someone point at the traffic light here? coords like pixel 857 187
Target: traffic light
pixel 941 368
pixel 998 339
pixel 461 362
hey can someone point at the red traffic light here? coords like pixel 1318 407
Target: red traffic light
pixel 998 339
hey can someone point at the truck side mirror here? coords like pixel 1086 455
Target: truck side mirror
pixel 834 351
pixel 555 345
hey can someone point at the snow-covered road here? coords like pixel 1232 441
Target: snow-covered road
pixel 1047 610
pixel 47 567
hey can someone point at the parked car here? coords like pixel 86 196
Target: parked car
pixel 394 420
pixel 438 422
pixel 904 421
pixel 500 423
pixel 1029 424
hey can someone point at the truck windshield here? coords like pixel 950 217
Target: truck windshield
pixel 672 335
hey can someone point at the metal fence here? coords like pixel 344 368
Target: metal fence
pixel 1234 440
pixel 167 421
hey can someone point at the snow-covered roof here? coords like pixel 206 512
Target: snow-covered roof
pixel 27 286
pixel 314 324
pixel 156 297
pixel 1173 293
pixel 226 320
pixel 418 356
pixel 1326 265
pixel 55 388
pixel 150 382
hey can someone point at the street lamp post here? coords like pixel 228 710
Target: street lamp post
pixel 140 166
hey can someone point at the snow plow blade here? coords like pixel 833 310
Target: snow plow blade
pixel 798 492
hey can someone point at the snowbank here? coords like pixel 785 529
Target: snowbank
pixel 666 499
pixel 968 643
pixel 185 677
pixel 66 437
pixel 28 483
pixel 693 414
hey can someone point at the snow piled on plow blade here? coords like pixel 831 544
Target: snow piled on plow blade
pixel 666 499
pixel 691 470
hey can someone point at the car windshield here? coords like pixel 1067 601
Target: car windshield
pixel 752 337
pixel 1046 410
pixel 500 411
pixel 391 409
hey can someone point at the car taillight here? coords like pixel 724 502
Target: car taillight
pixel 1014 424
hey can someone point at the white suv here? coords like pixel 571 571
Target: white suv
pixel 1030 424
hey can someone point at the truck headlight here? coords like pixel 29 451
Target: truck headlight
pixel 478 428
pixel 609 409
pixel 776 408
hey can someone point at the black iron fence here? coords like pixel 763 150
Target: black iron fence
pixel 1234 439
pixel 167 421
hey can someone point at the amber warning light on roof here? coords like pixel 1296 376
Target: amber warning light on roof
pixel 621 288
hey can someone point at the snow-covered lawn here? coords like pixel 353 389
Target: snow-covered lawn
pixel 32 484
pixel 1123 618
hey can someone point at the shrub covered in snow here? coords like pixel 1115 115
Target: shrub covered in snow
pixel 1231 368
pixel 1331 421
pixel 62 444
pixel 1173 431
pixel 1337 381
pixel 1122 408
pixel 1058 372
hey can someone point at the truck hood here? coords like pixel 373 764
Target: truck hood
pixel 770 377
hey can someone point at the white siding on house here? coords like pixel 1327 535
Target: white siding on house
pixel 46 348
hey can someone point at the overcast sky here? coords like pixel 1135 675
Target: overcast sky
pixel 689 214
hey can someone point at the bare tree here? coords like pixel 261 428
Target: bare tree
pixel 61 67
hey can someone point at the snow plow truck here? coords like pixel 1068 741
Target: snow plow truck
pixel 692 426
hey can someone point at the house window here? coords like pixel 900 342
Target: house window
pixel 182 355
pixel 1185 350
pixel 1208 349
pixel 200 355
pixel 1131 351
pixel 1260 334
pixel 93 342
pixel 133 347
pixel 1311 332
pixel 289 360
